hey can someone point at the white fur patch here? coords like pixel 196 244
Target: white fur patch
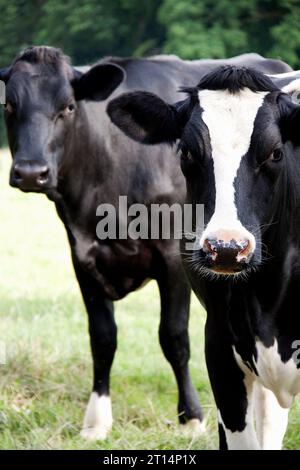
pixel 276 386
pixel 193 428
pixel 98 418
pixel 270 418
pixel 283 378
pixel 230 120
pixel 241 440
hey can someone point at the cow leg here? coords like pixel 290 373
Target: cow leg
pixel 233 393
pixel 174 340
pixel 270 418
pixel 103 337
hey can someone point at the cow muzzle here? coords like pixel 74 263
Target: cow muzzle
pixel 30 176
pixel 228 252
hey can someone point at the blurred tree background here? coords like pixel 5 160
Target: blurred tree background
pixel 90 29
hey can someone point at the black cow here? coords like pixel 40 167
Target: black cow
pixel 63 145
pixel 240 154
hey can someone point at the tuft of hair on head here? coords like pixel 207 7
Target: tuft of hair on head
pixel 42 55
pixel 235 79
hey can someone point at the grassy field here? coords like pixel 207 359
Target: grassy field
pixel 46 381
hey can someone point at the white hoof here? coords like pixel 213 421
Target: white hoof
pixel 98 418
pixel 97 433
pixel 193 428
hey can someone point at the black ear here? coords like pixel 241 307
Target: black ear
pixel 4 74
pixel 145 118
pixel 289 120
pixel 98 83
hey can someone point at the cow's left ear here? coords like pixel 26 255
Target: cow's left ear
pixel 290 120
pixel 145 118
pixel 98 83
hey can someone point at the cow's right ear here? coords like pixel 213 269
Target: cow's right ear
pixel 98 83
pixel 289 119
pixel 145 118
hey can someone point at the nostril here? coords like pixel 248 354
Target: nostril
pixel 243 244
pixel 244 249
pixel 210 245
pixel 43 177
pixel 17 175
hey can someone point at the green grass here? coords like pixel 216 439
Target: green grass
pixel 45 384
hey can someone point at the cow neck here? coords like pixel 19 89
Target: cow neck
pixel 86 166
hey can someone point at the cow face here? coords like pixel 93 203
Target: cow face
pixel 43 96
pixel 235 131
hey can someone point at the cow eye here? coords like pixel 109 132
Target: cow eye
pixel 186 156
pixel 70 108
pixel 276 155
pixel 9 107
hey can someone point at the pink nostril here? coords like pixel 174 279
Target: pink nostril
pixel 210 245
pixel 242 244
pixel 244 249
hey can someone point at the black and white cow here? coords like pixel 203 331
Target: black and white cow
pixel 239 141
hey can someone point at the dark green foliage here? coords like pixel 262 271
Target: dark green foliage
pixel 210 28
pixel 89 29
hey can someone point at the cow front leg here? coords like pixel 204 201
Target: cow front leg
pixel 270 418
pixel 174 340
pixel 103 338
pixel 233 392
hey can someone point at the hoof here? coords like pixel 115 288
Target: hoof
pixel 193 428
pixel 98 418
pixel 98 433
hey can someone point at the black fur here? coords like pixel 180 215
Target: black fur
pixel 234 79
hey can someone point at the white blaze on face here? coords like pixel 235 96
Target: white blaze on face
pixel 230 119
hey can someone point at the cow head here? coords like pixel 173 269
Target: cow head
pixel 43 95
pixel 236 132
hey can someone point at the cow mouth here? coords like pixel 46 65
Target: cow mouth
pixel 31 189
pixel 211 269
pixel 227 271
pixel 41 187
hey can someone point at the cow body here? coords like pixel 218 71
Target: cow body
pixel 240 148
pixel 64 145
